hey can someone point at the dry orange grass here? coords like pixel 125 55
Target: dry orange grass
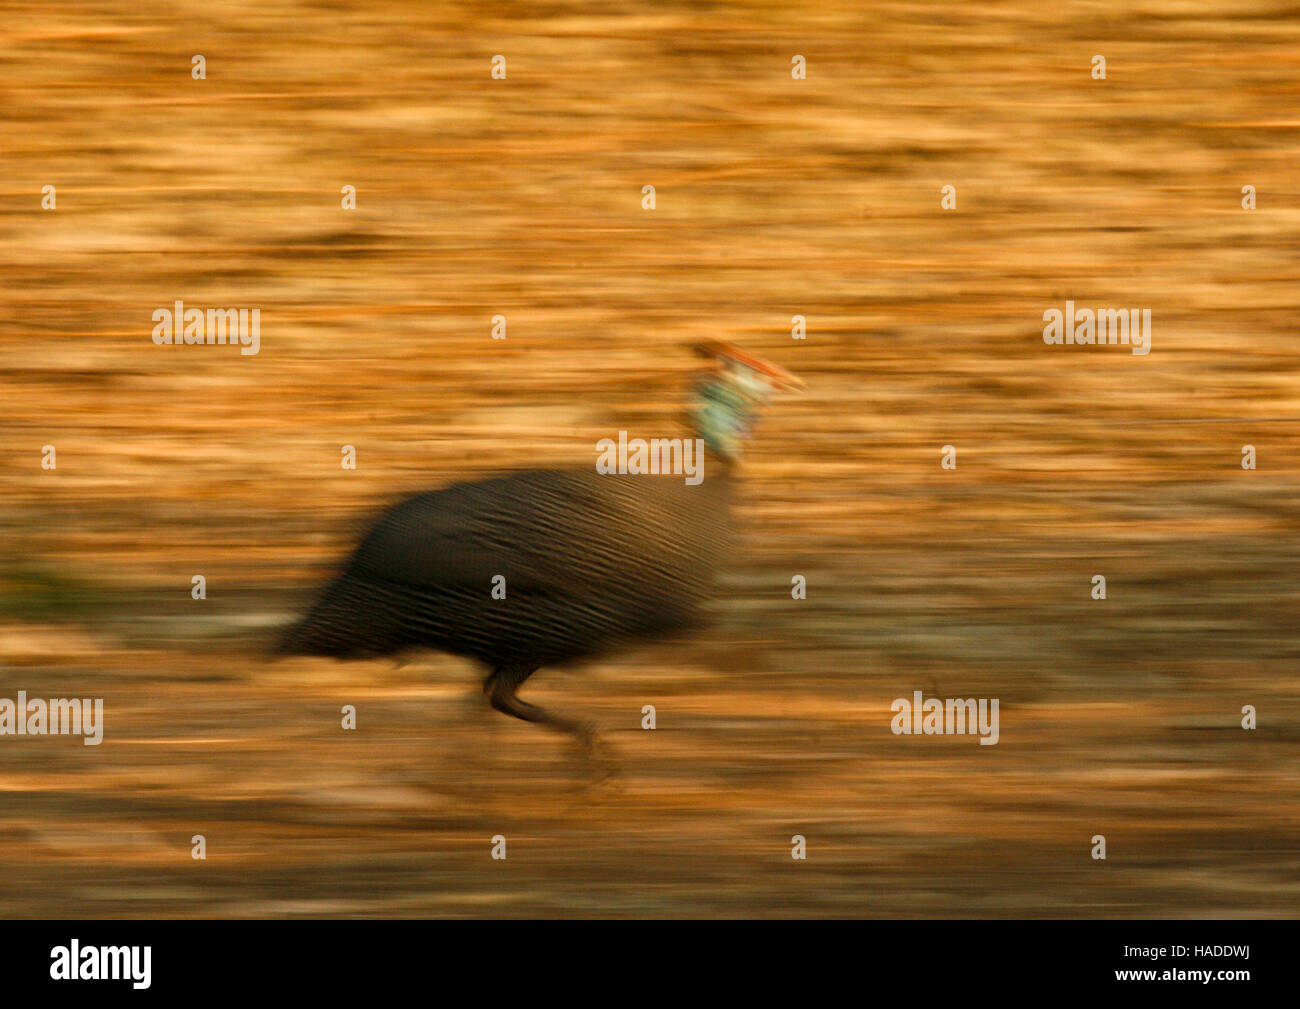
pixel 775 197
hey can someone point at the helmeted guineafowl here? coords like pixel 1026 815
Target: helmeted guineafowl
pixel 589 559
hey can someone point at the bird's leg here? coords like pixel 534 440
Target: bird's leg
pixel 500 688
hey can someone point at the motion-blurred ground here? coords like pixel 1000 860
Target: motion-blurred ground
pixel 775 197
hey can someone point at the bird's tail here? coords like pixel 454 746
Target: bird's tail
pixel 350 620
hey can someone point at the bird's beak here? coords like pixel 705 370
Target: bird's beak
pixel 787 381
pixel 776 376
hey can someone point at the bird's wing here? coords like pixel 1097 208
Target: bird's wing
pixel 552 531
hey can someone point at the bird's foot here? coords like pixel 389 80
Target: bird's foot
pixel 598 761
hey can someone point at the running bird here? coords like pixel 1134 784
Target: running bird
pixel 589 560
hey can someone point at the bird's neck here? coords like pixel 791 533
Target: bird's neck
pixel 723 412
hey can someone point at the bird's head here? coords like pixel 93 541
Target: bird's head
pixel 731 394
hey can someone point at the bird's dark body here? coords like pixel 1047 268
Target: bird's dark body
pixel 547 566
pixel 589 561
